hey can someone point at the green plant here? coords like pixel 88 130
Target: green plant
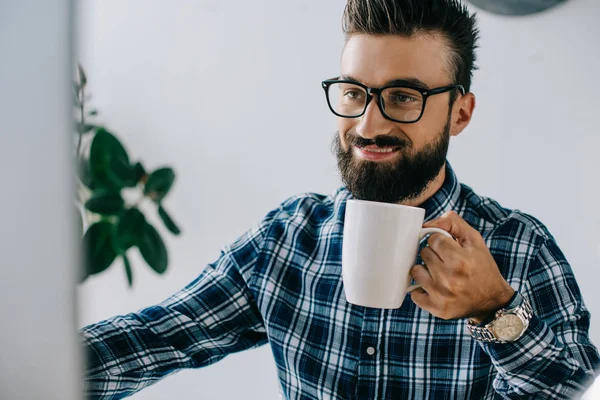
pixel 110 190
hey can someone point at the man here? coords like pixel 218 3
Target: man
pixel 499 312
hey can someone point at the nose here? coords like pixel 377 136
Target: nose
pixel 372 123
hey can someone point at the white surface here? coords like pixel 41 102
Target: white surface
pixel 38 341
pixel 593 392
pixel 200 84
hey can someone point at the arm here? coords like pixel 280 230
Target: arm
pixel 554 358
pixel 212 317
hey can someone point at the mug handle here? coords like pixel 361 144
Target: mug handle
pixel 422 233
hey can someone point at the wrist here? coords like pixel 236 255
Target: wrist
pixel 486 316
pixel 508 324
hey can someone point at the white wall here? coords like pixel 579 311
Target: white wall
pixel 200 84
pixel 38 342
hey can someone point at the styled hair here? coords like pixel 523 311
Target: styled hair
pixel 449 18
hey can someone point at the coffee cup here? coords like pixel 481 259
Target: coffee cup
pixel 379 248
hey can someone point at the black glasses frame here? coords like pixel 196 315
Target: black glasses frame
pixel 426 93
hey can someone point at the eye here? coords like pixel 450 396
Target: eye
pixel 399 98
pixel 403 98
pixel 353 94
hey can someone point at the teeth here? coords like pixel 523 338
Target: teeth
pixel 380 150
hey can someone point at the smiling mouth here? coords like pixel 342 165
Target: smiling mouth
pixel 375 153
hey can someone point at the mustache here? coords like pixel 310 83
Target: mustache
pixel 379 141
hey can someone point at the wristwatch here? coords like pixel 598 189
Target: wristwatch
pixel 508 325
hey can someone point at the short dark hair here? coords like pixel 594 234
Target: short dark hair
pixel 449 18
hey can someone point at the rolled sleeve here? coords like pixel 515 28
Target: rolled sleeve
pixel 554 358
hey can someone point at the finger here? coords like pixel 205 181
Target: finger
pixel 434 264
pixel 422 276
pixel 430 257
pixel 453 223
pixel 422 299
pixel 445 248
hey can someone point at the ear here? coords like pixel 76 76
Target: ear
pixel 462 111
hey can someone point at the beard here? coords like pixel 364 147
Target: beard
pixel 397 181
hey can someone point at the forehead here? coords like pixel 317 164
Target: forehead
pixel 376 60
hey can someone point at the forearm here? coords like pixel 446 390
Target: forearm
pixel 213 317
pixel 540 365
pixel 125 354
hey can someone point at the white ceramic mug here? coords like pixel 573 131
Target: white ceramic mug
pixel 380 246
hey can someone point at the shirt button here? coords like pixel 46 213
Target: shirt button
pixel 370 351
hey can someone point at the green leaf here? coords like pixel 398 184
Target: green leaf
pixel 93 112
pixel 120 170
pixel 168 221
pixel 159 183
pixel 130 229
pixel 83 172
pixel 153 249
pixel 98 250
pixel 105 202
pixel 139 171
pixel 108 160
pixel 82 76
pixel 128 270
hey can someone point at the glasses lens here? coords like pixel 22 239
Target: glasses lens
pixel 346 99
pixel 402 104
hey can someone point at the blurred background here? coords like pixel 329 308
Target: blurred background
pixel 228 93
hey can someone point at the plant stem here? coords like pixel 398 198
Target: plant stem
pixel 82 99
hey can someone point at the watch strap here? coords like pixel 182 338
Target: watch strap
pixel 486 334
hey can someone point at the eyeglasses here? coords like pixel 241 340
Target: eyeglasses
pixel 398 103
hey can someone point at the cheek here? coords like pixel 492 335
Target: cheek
pixel 344 125
pixel 428 128
pixel 416 133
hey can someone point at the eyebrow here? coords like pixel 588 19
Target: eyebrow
pixel 395 82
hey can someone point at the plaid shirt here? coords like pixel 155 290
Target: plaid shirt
pixel 280 284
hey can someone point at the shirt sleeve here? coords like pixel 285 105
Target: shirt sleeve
pixel 554 358
pixel 213 316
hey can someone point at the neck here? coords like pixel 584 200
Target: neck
pixel 429 191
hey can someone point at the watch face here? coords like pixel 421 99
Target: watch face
pixel 508 327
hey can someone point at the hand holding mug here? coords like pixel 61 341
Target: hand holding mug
pixel 461 278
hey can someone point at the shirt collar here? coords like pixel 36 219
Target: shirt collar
pixel 445 199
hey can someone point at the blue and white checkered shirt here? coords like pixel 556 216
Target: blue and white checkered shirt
pixel 280 284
